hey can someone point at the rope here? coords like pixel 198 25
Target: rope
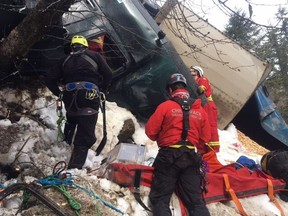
pixel 97 197
pixel 53 180
pixel 60 122
pixel 58 180
pixel 76 206
pixel 25 197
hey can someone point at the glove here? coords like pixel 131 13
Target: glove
pixel 201 89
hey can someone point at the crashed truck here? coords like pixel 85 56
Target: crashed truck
pixel 144 44
pixel 143 49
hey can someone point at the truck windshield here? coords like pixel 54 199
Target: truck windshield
pixel 135 32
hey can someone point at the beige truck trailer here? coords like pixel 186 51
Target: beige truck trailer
pixel 234 72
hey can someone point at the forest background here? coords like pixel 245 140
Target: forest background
pixel 269 42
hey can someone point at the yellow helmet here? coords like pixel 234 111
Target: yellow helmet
pixel 79 39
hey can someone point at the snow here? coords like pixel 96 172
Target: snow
pixel 37 144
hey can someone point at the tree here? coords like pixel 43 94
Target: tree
pixel 243 30
pixel 276 47
pixel 33 27
pixel 270 44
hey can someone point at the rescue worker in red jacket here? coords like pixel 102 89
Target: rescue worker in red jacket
pixel 83 74
pixel 178 135
pixel 204 87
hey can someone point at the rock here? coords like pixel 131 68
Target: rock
pixel 128 129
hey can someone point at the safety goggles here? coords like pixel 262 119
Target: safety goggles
pixel 80 85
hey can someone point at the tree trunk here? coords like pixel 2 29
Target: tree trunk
pixel 32 28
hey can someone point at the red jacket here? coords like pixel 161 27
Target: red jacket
pixel 212 112
pixel 166 123
pixel 204 82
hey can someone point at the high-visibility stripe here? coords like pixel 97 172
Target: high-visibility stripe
pixel 215 143
pixel 210 98
pixel 98 40
pixel 179 146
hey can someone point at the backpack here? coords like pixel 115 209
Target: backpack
pixel 275 164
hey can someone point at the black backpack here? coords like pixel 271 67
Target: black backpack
pixel 275 164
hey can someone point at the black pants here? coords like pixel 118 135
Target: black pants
pixel 79 124
pixel 84 137
pixel 177 169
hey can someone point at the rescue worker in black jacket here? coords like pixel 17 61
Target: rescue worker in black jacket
pixel 82 75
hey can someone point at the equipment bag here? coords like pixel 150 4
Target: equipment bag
pixel 275 164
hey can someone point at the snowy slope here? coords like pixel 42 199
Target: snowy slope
pixel 33 142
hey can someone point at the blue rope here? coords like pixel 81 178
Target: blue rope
pixel 97 197
pixel 55 180
pixel 1 186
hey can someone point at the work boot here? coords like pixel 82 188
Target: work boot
pixel 78 157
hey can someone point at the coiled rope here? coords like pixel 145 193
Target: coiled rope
pixel 60 180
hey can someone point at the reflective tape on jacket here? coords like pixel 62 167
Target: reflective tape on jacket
pixel 179 146
pixel 215 143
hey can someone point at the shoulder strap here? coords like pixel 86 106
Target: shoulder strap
pixel 87 58
pixel 186 106
pixel 65 61
pixel 91 61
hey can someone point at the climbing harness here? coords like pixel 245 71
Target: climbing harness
pixel 80 85
pixel 84 56
pixel 92 93
pixel 185 104
pixel 92 90
pixel 89 59
pixel 61 118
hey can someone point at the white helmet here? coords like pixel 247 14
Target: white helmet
pixel 199 69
